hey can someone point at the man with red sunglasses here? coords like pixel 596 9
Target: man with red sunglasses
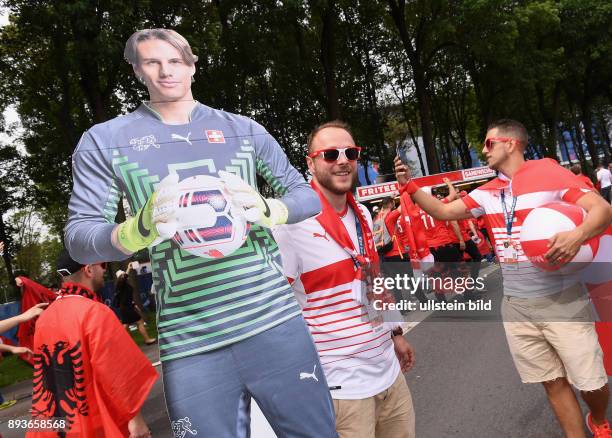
pixel 89 375
pixel 554 351
pixel 328 260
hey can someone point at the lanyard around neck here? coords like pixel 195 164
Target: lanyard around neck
pixel 508 215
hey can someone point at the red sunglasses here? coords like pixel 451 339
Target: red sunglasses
pixel 489 141
pixel 330 155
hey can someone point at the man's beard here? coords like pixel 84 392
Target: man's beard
pixel 98 287
pixel 326 181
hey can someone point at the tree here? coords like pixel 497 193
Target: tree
pixel 424 29
pixel 12 197
pixel 587 40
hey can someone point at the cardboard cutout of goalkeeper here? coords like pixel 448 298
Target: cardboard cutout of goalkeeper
pixel 230 327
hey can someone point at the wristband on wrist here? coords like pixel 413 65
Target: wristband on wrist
pixel 410 187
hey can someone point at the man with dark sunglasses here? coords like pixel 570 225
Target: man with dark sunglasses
pixel 552 350
pixel 88 372
pixel 329 259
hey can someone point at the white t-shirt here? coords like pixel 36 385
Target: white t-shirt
pixel 355 358
pixel 604 177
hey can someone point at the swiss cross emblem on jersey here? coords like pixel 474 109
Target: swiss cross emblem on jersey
pixel 215 136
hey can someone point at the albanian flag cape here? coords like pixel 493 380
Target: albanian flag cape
pixel 546 174
pixel 87 369
pixel 32 293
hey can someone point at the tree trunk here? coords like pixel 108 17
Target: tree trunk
pixel 407 119
pixel 565 148
pixel 603 129
pixel 424 101
pixel 451 163
pixel 397 11
pixel 587 122
pixel 577 142
pixel 328 60
pixel 6 256
pixel 415 141
pixel 370 84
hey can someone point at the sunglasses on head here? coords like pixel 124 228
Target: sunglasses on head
pixel 330 155
pixel 66 272
pixel 489 141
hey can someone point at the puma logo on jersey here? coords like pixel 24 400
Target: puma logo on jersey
pixel 180 137
pixel 143 143
pixel 312 375
pixel 324 235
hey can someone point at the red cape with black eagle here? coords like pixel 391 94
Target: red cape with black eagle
pixel 87 369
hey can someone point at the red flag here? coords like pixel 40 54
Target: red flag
pixel 32 294
pixel 598 280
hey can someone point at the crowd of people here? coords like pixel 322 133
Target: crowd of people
pixel 289 319
pixel 455 246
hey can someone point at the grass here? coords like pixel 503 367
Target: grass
pixel 13 369
pixel 151 329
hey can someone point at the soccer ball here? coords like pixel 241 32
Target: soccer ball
pixel 210 225
pixel 544 222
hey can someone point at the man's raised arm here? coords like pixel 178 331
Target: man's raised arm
pixel 435 208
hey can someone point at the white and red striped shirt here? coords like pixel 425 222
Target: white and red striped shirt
pixel 528 280
pixel 354 357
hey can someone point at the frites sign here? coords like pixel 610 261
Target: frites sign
pixel 377 191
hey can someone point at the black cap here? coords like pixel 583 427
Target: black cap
pixel 65 265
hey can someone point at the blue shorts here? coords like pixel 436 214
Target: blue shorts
pixel 210 393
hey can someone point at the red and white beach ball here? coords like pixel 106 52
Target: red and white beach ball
pixel 544 222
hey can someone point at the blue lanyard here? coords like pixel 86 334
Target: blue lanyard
pixel 508 216
pixel 359 235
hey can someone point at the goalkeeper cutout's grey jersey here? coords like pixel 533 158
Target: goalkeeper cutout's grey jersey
pixel 203 304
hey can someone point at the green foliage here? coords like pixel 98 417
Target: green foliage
pixel 427 68
pixel 32 249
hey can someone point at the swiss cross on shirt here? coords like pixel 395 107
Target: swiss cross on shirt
pixel 215 136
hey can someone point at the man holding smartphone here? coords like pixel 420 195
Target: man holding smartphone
pixel 557 352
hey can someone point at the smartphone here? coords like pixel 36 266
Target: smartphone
pixel 402 153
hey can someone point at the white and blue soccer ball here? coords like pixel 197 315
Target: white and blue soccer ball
pixel 209 224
